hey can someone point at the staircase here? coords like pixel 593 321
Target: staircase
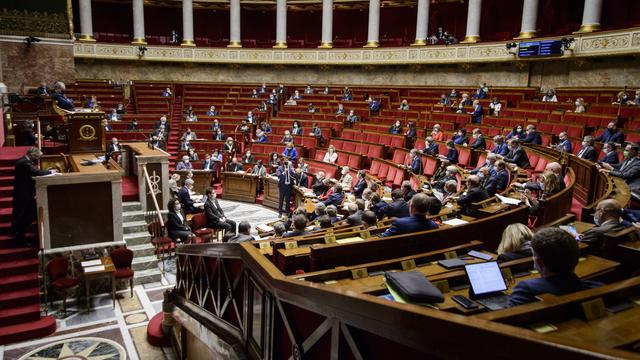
pixel 137 238
pixel 173 141
pixel 19 269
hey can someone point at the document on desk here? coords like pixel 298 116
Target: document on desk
pixel 93 269
pixel 264 227
pixel 349 240
pixel 455 222
pixel 508 200
pixel 91 263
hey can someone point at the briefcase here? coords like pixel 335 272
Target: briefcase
pixel 414 287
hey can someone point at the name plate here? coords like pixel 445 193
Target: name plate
pixel 330 237
pixel 265 245
pixel 408 264
pixel 594 309
pixel 450 255
pixel 291 245
pixel 359 273
pixel 442 285
pixel 365 234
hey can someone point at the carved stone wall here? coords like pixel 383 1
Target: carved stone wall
pixel 585 72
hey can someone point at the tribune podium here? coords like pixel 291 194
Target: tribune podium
pixel 86 133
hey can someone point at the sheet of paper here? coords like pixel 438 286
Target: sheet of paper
pixel 264 227
pixel 349 240
pixel 91 263
pixel 508 200
pixel 455 222
pixel 94 268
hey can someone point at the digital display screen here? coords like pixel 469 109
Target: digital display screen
pixel 540 48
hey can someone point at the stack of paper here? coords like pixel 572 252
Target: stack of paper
pixel 91 263
pixel 94 268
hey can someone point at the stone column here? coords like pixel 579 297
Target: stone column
pixel 529 19
pixel 138 23
pixel 281 24
pixel 374 24
pixel 422 23
pixel 327 24
pixel 473 22
pixel 187 23
pixel 591 16
pixel 86 21
pixel 235 40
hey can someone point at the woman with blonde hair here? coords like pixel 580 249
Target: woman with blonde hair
pixel 331 156
pixel 515 243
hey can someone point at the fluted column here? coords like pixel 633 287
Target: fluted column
pixel 86 21
pixel 422 23
pixel 327 24
pixel 374 24
pixel 235 40
pixel 187 23
pixel 473 21
pixel 138 23
pixel 281 24
pixel 591 16
pixel 529 22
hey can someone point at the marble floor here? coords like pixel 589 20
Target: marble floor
pixel 117 332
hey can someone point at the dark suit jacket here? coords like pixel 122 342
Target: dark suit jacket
pixel 214 214
pixel 409 224
pixel 294 233
pixel 588 153
pixel 398 208
pixel 355 219
pixel 24 189
pixel 185 200
pixel 334 199
pixel 303 180
pixel 452 156
pixel 472 196
pixel 629 170
pixel 240 238
pixel 133 126
pixel 611 158
pixel 527 290
pixel 595 236
pixel 234 167
pixel 319 187
pixel 379 209
pixel 501 149
pixel 515 255
pixel 518 157
pixel 63 101
pixel 479 143
pixel 608 136
pixel 359 187
pixel 174 223
pixel 431 150
pixel 208 165
pixel 416 166
pixel 532 138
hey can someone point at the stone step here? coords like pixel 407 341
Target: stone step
pixel 131 206
pixel 144 262
pixel 147 276
pixel 134 227
pixel 130 216
pixel 137 238
pixel 141 250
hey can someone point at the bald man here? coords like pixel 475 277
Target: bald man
pixel 607 219
pixel 474 194
pixel 555 168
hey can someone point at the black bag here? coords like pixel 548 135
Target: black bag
pixel 414 287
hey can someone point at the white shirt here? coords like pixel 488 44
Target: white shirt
pixel 330 157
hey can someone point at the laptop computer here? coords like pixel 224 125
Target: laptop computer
pixel 487 285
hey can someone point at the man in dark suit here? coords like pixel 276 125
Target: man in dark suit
pixel 478 142
pixel 555 255
pixel 629 169
pixel 532 136
pixel 244 233
pixel 564 144
pixel 133 125
pixel 162 123
pixel 43 89
pixel 234 165
pixel 516 155
pixel 58 95
pixel 360 185
pixel 336 198
pixel 416 221
pixel 299 225
pixel 286 179
pixel 185 197
pixel 500 146
pixel 319 187
pixel 355 214
pixel 474 194
pixel 214 213
pixel 398 207
pixel 607 219
pixel 501 176
pixel 415 163
pixel 24 203
pixel 611 134
pixel 207 163
pixel 587 152
pixel 476 114
pixel 430 147
pixel 407 190
pixel 302 179
pixel 113 146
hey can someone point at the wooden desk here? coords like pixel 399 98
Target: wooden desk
pixel 109 270
pixel 271 192
pixel 76 161
pixel 201 179
pixel 138 156
pixel 240 187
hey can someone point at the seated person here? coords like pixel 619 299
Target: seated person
pixel 311 108
pixel 517 133
pixel 607 219
pixel 550 96
pixel 416 222
pixel 290 152
pixel 415 163
pixel 396 128
pixel 185 144
pixel 261 137
pixel 296 129
pixel 286 138
pixel 229 147
pixel 302 179
pixel 587 151
pixel 133 125
pixel 564 144
pixel 580 107
pixel 340 110
pixel 532 136
pixel 113 116
pixel 452 153
pixel 407 190
pixel 352 117
pixel 324 222
pixel 331 156
pixel 628 169
pixel 296 95
pixel 189 135
pixel 345 179
pixel 430 147
pixel 212 111
pixel 173 184
pixel 375 106
pixel 500 146
pixel 369 220
pixel 436 133
pixel 355 215
pixel 361 184
pixel 167 92
pixel 611 134
pixel 444 100
pixel 308 90
pixel 248 157
pixel 319 186
pixel 184 195
pixel 438 180
pixel 265 126
pixel 58 95
pixel 254 94
pixel 411 132
pixel 302 165
pixel 398 207
pixel 218 135
pixel 208 163
pixel 555 255
pixel 336 197
pixel 214 213
pixel 177 226
pixel 250 118
pixel 460 138
pixel 516 155
pixel 347 94
pixel 404 105
pixel 610 154
pixel 478 142
pixel 450 191
pixel 185 164
pixel 515 243
pixel 299 225
pixel 475 193
pixel 278 229
pixel 234 165
pixel 332 212
pixel 495 107
pixel 378 206
pixel 244 233
pixel 489 163
pixel 318 211
pixel 193 155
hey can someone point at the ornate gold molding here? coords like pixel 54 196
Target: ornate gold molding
pixel 470 39
pixel 326 45
pixel 234 44
pixel 87 38
pixel 139 41
pixel 372 44
pixel 526 35
pixel 625 42
pixel 280 45
pixel 188 43
pixel 587 28
pixel 419 42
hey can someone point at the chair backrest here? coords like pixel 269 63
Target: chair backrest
pixel 199 221
pixel 122 257
pixel 155 229
pixel 57 268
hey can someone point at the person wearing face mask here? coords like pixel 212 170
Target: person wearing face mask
pixel 248 158
pixel 610 154
pixel 495 107
pixel 177 226
pixel 290 153
pixel 532 136
pixel 436 133
pixel 113 147
pixel 229 147
pixel 516 133
pixel 587 152
pixel 340 110
pixel 261 172
pixel 396 128
pixel 214 213
pixel 296 129
pixel 286 179
pixel 607 219
pixel 286 138
pixel 478 142
pixel 460 138
pixel 564 144
pixel 331 156
pixel 265 126
pixel 346 179
pixel 489 164
pixel 250 118
pixel 555 256
pixel 452 153
pixel 193 155
pixel 450 174
pixel 476 114
pixel 189 135
pixel 611 134
pixel 352 117
pixel 579 106
pixel 516 155
pixel 185 164
pixel 500 146
pixel 184 195
pixel 475 193
pixel 629 169
pixel 430 147
pixel 550 96
pixel 415 163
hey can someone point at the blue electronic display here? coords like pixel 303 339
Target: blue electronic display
pixel 540 48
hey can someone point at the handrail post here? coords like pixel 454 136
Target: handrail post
pixel 155 201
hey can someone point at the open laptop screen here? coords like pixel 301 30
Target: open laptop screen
pixel 485 278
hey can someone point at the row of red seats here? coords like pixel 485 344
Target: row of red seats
pixel 352 160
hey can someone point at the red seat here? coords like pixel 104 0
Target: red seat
pixel 65 282
pixel 375 168
pixel 464 155
pixel 199 224
pixel 61 282
pixel 122 259
pixel 430 166
pixel 541 165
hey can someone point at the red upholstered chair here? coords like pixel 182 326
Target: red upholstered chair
pixel 122 258
pixel 161 243
pixel 60 282
pixel 199 225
